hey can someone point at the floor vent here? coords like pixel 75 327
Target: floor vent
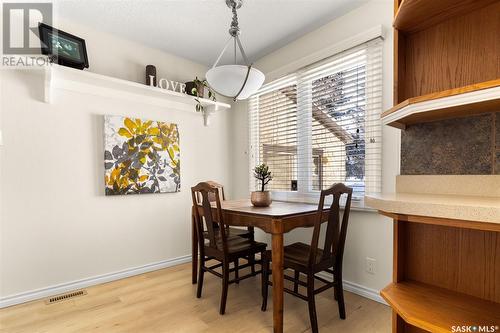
pixel 63 297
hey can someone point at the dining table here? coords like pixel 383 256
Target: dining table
pixel 277 219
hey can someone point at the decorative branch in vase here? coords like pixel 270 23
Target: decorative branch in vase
pixel 262 198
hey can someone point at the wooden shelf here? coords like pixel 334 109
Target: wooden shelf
pixel 468 100
pixel 437 310
pixel 65 78
pixel 416 15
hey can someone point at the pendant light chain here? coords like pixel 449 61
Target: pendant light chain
pixel 253 77
pixel 234 30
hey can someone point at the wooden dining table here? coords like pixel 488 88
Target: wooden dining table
pixel 277 219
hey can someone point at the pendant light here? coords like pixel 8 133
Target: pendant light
pixel 235 81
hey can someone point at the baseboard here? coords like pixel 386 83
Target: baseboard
pixel 363 291
pixel 84 283
pixel 358 289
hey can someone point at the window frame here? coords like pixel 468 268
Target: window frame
pixel 305 191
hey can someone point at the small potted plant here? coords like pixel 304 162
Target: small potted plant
pixel 196 88
pixel 262 198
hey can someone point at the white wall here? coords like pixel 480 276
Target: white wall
pixel 56 225
pixel 369 234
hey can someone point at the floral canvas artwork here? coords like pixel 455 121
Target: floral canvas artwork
pixel 141 156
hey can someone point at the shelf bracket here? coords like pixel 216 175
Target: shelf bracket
pixel 207 111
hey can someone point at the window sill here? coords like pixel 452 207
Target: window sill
pixel 357 204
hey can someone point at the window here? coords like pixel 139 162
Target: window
pixel 276 131
pixel 321 125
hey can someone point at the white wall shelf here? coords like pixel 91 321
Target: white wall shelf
pixel 59 77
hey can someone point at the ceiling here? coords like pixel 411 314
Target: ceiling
pixel 197 29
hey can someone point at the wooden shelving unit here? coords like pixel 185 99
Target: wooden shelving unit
pixel 445 273
pixel 446 64
pixel 438 310
pixel 444 48
pixel 451 103
pixel 416 15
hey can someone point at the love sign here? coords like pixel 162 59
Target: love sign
pixel 168 84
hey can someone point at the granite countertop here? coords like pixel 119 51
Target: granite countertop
pixel 470 198
pixel 460 207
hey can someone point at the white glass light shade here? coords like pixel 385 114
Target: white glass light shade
pixel 227 80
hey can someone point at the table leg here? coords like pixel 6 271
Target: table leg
pixel 277 269
pixel 194 250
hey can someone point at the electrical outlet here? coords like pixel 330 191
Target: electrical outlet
pixel 370 265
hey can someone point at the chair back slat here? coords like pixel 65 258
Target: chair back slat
pixel 211 195
pixel 332 229
pixel 207 216
pixel 336 230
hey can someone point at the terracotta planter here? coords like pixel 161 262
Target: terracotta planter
pixel 261 199
pixel 199 88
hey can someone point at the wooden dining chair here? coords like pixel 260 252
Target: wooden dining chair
pixel 310 259
pixel 217 245
pixel 249 232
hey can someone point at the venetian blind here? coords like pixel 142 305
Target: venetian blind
pixel 322 125
pixel 273 118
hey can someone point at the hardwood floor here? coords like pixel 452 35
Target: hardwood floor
pixel 164 301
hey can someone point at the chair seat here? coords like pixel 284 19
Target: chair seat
pixel 236 244
pixel 298 254
pixel 218 239
pixel 232 232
